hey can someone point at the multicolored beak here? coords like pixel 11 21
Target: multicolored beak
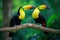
pixel 27 7
pixel 42 7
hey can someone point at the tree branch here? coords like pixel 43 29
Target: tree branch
pixel 7 29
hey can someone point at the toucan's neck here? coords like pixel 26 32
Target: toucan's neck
pixel 35 13
pixel 21 14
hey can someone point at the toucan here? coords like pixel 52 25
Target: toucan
pixel 16 19
pixel 39 19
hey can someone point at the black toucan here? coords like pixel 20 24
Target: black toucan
pixel 16 19
pixel 39 19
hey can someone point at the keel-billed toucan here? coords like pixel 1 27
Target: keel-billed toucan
pixel 39 19
pixel 16 19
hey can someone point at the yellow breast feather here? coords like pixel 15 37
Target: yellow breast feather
pixel 35 13
pixel 22 14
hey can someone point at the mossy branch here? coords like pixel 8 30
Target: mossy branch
pixel 8 29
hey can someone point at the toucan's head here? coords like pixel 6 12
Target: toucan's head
pixel 42 7
pixel 21 10
pixel 27 7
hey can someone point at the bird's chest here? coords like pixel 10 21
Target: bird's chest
pixel 39 19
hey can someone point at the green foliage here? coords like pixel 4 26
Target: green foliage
pixel 26 33
pixel 51 19
pixel 54 21
pixel 51 15
pixel 0 13
pixel 1 18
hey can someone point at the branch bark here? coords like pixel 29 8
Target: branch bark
pixel 7 29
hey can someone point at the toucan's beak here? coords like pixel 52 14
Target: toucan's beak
pixel 43 7
pixel 28 7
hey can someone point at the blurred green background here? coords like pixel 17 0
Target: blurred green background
pixel 52 17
